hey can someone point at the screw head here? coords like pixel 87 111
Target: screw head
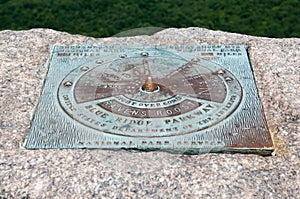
pixel 84 68
pixel 196 59
pixel 221 72
pixel 144 54
pixel 228 79
pixel 99 62
pixel 68 84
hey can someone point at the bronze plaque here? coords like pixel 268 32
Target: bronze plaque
pixel 189 99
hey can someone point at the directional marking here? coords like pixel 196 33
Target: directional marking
pixel 150 99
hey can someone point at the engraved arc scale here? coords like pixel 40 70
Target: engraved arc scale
pixel 151 96
pixel 184 99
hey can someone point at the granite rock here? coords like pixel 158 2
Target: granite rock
pixel 123 174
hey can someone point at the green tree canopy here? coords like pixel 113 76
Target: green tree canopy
pixel 103 18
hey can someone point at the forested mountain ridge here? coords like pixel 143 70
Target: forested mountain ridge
pixel 103 18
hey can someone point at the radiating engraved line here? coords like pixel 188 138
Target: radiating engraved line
pixel 147 71
pixel 96 101
pixel 178 70
pixel 202 101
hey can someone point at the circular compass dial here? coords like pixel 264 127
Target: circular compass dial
pixel 150 95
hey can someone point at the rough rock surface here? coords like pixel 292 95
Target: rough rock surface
pixel 120 174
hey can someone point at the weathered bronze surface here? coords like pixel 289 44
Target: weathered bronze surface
pixel 190 99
